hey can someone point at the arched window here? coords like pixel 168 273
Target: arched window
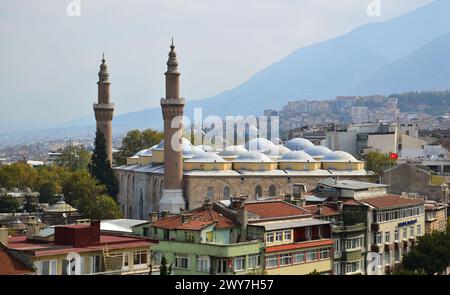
pixel 141 206
pixel 258 191
pixel 210 192
pixel 272 190
pixel 226 192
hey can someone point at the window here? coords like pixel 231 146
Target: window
pixel 226 193
pixel 47 267
pixel 181 261
pixel 324 254
pixel 286 259
pixel 140 258
pixel 299 257
pixel 203 263
pixel 419 230
pixel 270 238
pixel 221 266
pixel 239 263
pixel 279 236
pixel 353 243
pixel 209 237
pixel 272 261
pixel 308 233
pixel 397 235
pixel 320 231
pixel 125 259
pixel 157 256
pixel 287 235
pixel 306 167
pixel 337 268
pixel 254 261
pixel 387 237
pixel 209 192
pixel 258 191
pixel 95 264
pixel 272 191
pixel 378 237
pixel 336 246
pixel 405 233
pixel 387 257
pixel 311 256
pixel 166 234
pixel 190 237
pixel 352 267
pixel 411 231
pixel 397 255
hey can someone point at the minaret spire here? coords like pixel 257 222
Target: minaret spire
pixel 172 108
pixel 104 109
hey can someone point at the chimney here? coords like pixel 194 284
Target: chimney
pixel 32 229
pixel 164 214
pixel 4 236
pixel 237 202
pixel 208 204
pixel 153 217
pixel 320 209
pixel 340 206
pixel 288 198
pixel 185 218
pixel 242 219
pixel 298 190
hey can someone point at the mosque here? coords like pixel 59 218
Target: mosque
pixel 163 179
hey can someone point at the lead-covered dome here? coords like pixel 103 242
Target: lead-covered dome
pixel 339 156
pixel 253 157
pixel 297 156
pixel 259 144
pixel 298 144
pixel 318 151
pixel 206 157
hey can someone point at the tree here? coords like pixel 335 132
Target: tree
pixel 8 204
pixel 135 141
pixel 377 162
pixel 163 266
pixel 431 255
pixel 99 207
pixel 47 192
pixel 74 158
pixel 20 175
pixel 29 205
pixel 100 167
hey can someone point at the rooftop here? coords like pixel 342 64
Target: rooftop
pixel 10 265
pixel 392 201
pixel 199 219
pixel 351 184
pixel 121 225
pixel 275 209
pixel 327 210
pixel 277 225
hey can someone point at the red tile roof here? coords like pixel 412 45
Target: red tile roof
pixel 388 201
pixel 326 210
pixel 302 245
pixel 9 265
pixel 274 209
pixel 352 202
pixel 200 219
pixel 112 242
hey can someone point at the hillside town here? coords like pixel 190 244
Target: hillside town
pixel 361 198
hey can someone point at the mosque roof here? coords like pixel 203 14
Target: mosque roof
pixel 253 157
pixel 298 144
pixel 318 151
pixel 296 156
pixel 339 156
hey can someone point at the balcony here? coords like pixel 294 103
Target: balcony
pixel 217 250
pixel 349 228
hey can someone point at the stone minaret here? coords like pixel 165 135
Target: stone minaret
pixel 104 109
pixel 172 108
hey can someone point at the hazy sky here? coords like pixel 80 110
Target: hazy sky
pixel 49 61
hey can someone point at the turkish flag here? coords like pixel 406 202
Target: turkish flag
pixel 393 156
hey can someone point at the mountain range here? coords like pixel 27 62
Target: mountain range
pixel 408 53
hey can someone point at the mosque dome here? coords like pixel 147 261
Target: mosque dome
pixel 259 144
pixel 206 157
pixel 339 156
pixel 185 143
pixel 318 151
pixel 298 144
pixel 297 156
pixel 277 151
pixel 232 150
pixel 253 156
pixel 140 153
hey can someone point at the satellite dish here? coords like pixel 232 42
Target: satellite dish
pixel 64 215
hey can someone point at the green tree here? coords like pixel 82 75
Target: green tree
pixel 20 175
pixel 163 266
pixel 135 141
pixel 377 162
pixel 99 207
pixel 100 167
pixel 8 204
pixel 431 255
pixel 74 158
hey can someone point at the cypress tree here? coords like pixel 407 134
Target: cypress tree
pixel 100 167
